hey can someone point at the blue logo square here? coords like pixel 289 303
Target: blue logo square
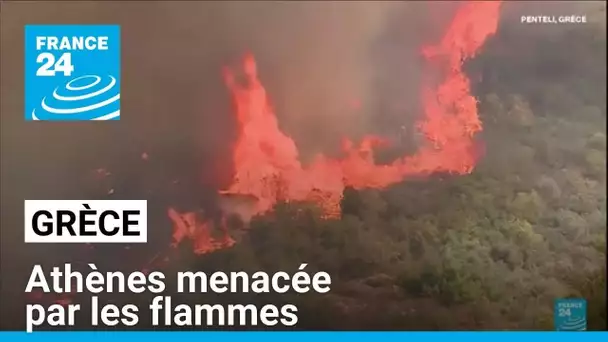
pixel 72 72
pixel 570 314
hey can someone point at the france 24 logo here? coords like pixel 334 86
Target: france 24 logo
pixel 570 314
pixel 72 72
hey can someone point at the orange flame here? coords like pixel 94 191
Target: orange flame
pixel 266 160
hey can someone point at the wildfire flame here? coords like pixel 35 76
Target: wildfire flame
pixel 266 160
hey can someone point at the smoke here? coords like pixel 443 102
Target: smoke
pixel 315 57
pixel 330 67
pixel 321 61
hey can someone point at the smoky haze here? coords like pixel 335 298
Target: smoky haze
pixel 316 59
pixel 321 63
pixel 328 67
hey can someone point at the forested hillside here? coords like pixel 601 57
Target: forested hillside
pixel 490 250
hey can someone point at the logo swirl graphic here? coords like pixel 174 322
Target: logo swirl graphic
pixel 89 97
pixel 574 324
